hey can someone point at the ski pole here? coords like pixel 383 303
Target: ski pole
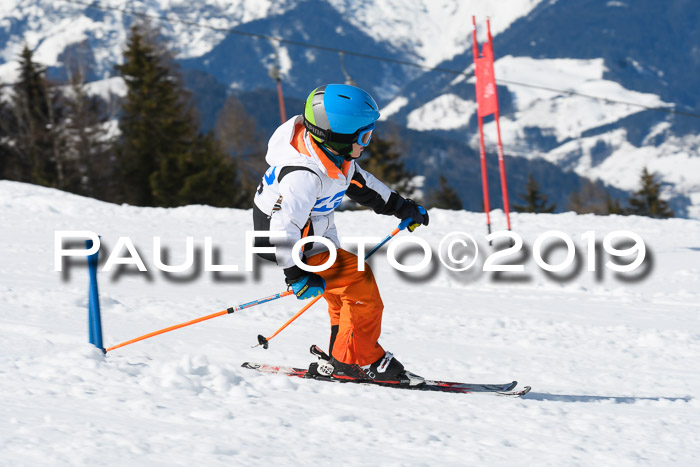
pixel 404 223
pixel 204 318
pixel 264 341
pixel 408 222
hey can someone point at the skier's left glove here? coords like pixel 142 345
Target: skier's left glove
pixel 304 284
pixel 413 210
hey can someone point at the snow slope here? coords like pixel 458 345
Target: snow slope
pixel 613 363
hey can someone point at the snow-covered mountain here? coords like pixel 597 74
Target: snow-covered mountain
pixel 612 358
pixel 638 55
pixel 635 54
pixel 607 140
pixel 427 31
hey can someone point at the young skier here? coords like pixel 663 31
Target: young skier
pixel 313 164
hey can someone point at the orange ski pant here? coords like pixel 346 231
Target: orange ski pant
pixel 355 306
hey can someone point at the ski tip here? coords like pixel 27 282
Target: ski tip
pixel 512 386
pixel 252 365
pixel 514 392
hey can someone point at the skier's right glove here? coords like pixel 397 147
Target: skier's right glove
pixel 304 284
pixel 415 211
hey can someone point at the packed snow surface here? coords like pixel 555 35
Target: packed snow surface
pixel 612 359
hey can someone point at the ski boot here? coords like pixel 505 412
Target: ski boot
pixel 385 370
pixel 323 368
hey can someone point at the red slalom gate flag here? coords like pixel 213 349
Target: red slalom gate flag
pixel 487 104
pixel 486 97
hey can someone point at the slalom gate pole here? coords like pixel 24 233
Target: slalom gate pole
pixel 264 341
pixel 94 317
pixel 501 159
pixel 204 318
pixel 502 170
pixel 484 178
pixel 482 147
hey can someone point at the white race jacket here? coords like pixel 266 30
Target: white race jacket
pixel 302 183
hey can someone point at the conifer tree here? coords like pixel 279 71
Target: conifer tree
pixel 33 127
pixel 155 124
pixel 445 197
pixel 6 156
pixel 382 160
pixel 647 200
pixel 614 207
pixel 164 160
pixel 535 200
pixel 213 178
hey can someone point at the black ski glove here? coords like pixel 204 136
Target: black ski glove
pixel 415 211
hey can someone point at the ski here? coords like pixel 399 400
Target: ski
pixel 505 390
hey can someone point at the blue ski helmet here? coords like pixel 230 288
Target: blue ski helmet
pixel 336 114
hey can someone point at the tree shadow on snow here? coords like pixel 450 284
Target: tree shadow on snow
pixel 539 396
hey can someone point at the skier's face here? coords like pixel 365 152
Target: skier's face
pixel 356 150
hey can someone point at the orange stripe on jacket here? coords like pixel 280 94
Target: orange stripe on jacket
pixel 299 144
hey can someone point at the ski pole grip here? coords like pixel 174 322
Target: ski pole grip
pixel 415 225
pixel 408 222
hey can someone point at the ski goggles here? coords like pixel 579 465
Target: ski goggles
pixel 364 135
